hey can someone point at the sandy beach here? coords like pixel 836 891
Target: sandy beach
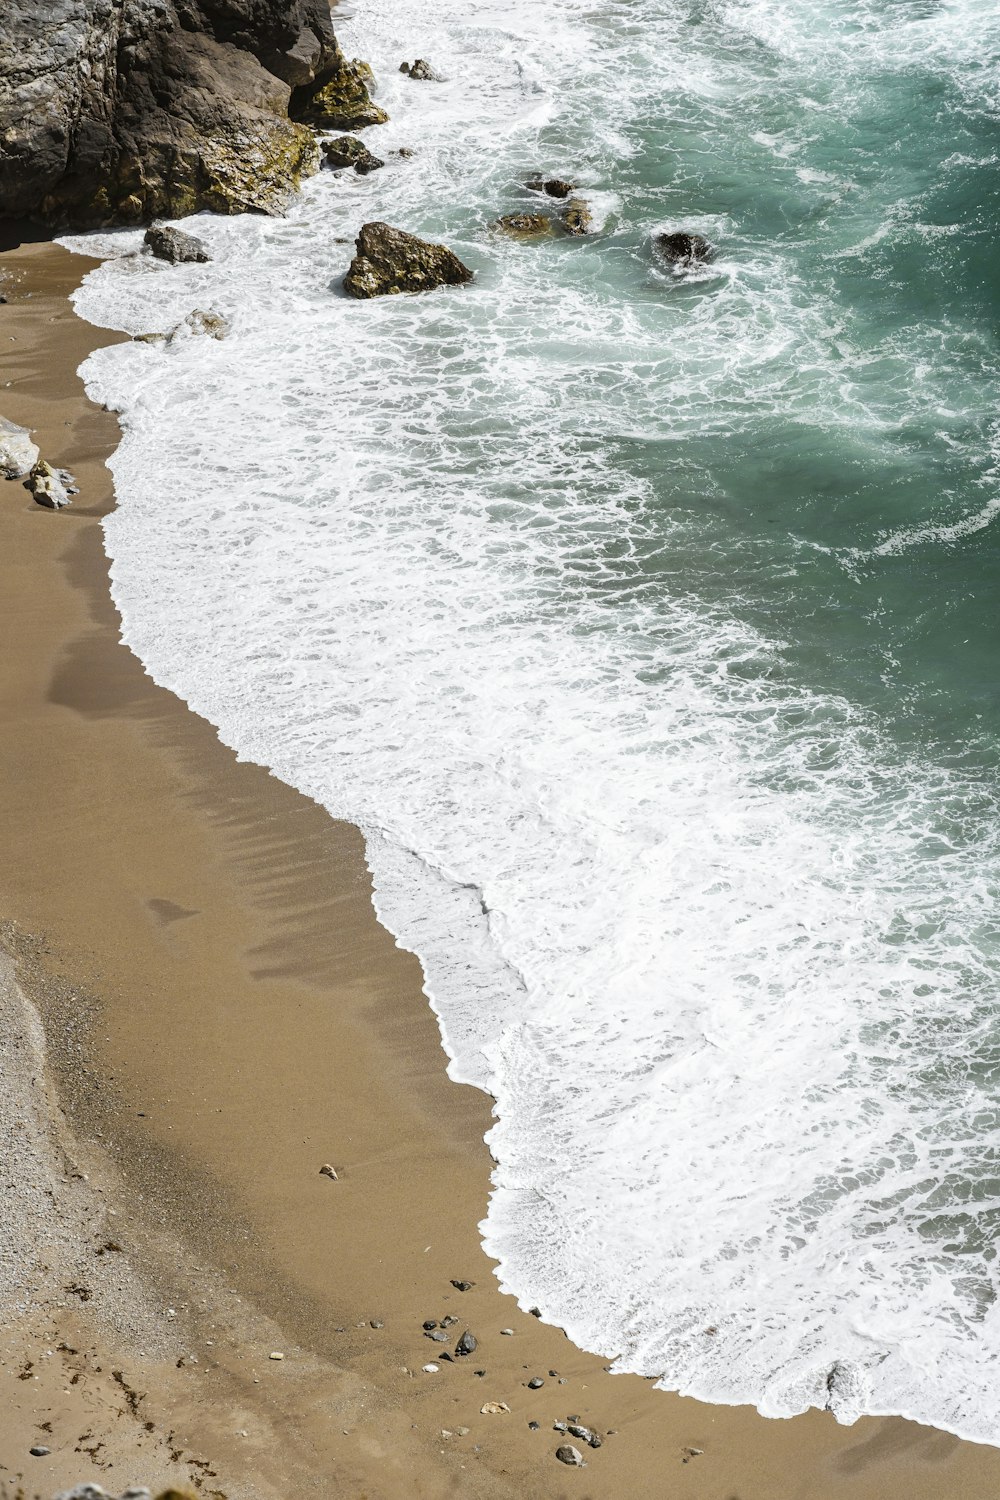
pixel 221 1015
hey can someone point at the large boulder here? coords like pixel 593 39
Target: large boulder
pixel 684 249
pixel 122 111
pixel 349 151
pixel 17 452
pixel 389 261
pixel 341 101
pixel 174 245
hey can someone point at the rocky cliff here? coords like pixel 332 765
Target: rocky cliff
pixel 120 111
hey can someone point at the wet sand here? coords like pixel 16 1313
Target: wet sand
pixel 223 1014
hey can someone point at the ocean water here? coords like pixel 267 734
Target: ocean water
pixel 647 624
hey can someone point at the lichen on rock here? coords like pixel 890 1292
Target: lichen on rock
pixel 390 261
pixel 341 99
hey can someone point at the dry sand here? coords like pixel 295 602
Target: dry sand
pixel 223 1014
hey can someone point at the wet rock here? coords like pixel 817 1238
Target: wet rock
pixel 48 485
pixel 523 226
pixel 390 261
pixel 493 1408
pixel 406 152
pixel 460 1286
pixel 535 1383
pixel 535 1312
pixel 684 249
pixel 467 1344
pixel 18 454
pixel 327 1171
pixel 348 151
pixel 553 187
pixel 342 101
pixel 420 70
pixel 567 1454
pixel 173 245
pixel 576 216
pixel 213 325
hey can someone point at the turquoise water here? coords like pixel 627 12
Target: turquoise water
pixel 646 624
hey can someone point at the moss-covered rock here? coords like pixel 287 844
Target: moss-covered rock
pixel 524 226
pixel 390 261
pixel 576 217
pixel 340 100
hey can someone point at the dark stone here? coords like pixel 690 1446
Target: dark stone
pixel 173 245
pixel 535 1312
pixel 348 151
pixel 467 1344
pixel 390 261
pixel 576 216
pixel 683 249
pixel 553 187
pixel 339 100
pixel 449 1321
pixel 430 1323
pixel 535 1383
pixel 118 111
pixel 420 70
pixel 567 1454
pixel 460 1286
pixel 38 1451
pixel 480 1373
pixel 534 1426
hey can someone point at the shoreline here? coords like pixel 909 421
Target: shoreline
pixel 245 1020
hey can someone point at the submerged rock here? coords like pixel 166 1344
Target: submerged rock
pixel 389 261
pixel 684 249
pixel 343 101
pixel 50 487
pixel 576 216
pixel 553 187
pixel 17 452
pixel 523 226
pixel 421 71
pixel 174 245
pixel 200 322
pixel 348 151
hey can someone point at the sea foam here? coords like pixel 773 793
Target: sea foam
pixel 470 569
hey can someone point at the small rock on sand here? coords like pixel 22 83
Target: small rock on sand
pixel 493 1408
pixel 430 1369
pixel 463 1286
pixel 467 1344
pixel 507 1332
pixel 438 1335
pixel 39 1451
pixel 50 487
pixel 275 1354
pixel 17 452
pixel 535 1383
pixel 567 1454
pixel 327 1171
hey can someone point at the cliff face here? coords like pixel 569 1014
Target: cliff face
pixel 120 111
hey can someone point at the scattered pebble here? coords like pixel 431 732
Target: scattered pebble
pixel 584 1434
pixel 558 1426
pixel 275 1355
pixel 445 1433
pixel 690 1453
pixel 431 1369
pixel 567 1454
pixel 467 1344
pixel 493 1408
pixel 449 1321
pixel 480 1373
pixel 437 1335
pixel 39 1451
pixel 327 1171
pixel 460 1286
pixel 461 1432
pixel 376 1323
pixel 507 1332
pixel 534 1426
pixel 536 1312
pixel 535 1383
pixel 553 1373
pixel 430 1323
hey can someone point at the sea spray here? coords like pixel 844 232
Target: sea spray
pixel 646 625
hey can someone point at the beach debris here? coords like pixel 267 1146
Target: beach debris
pixel 198 322
pixel 420 71
pixel 463 1286
pixel 535 1383
pixel 327 1171
pixel 174 245
pixel 50 487
pixel 276 1354
pixel 430 1369
pixel 523 226
pixel 480 1373
pixel 567 1454
pixel 467 1344
pixel 390 261
pixel 493 1408
pixel 461 1432
pixel 507 1332
pixel 552 187
pixel 576 216
pixel 18 454
pixel 690 1453
pixel 39 1451
pixel 684 249
pixel 375 1323
pixel 349 151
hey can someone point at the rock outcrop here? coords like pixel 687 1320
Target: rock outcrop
pixel 17 452
pixel 523 226
pixel 684 249
pixel 348 151
pixel 174 245
pixel 341 100
pixel 552 187
pixel 389 261
pixel 122 111
pixel 576 216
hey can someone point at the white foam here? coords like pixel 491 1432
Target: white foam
pixel 720 956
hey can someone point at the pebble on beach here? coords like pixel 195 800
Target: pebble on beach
pixel 567 1454
pixel 493 1408
pixel 535 1383
pixel 327 1171
pixel 463 1286
pixel 467 1344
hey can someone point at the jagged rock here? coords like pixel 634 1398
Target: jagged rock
pixel 684 249
pixel 48 485
pixel 420 70
pixel 467 1344
pixel 174 245
pixel 17 452
pixel 123 111
pixel 342 101
pixel 553 187
pixel 567 1454
pixel 576 216
pixel 348 151
pixel 200 322
pixel 390 261
pixel 523 226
